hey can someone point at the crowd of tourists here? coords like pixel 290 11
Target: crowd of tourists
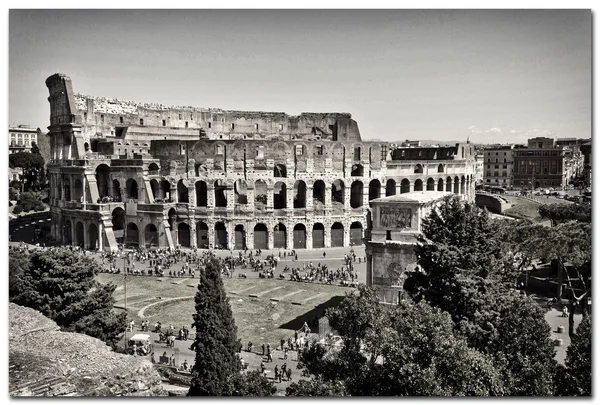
pixel 189 263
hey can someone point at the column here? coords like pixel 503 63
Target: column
pixel 270 228
pixel 289 196
pixel 309 197
pixel 210 195
pixel 289 238
pixel 365 195
pixel 369 270
pixel 192 195
pixel 100 236
pixel 193 235
pixel 249 228
pixel 230 233
pixel 347 191
pixel 309 239
pixel 269 197
pixel 211 233
pixel 327 234
pixel 346 234
pixel 328 195
pixel 229 194
pixel 383 191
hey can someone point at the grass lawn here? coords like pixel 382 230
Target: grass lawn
pixel 523 208
pixel 259 319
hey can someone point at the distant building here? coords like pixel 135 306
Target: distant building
pixel 391 237
pixel 545 164
pixel 498 166
pixel 479 168
pixel 21 138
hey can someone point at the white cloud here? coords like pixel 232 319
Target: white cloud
pixel 495 130
pixel 514 131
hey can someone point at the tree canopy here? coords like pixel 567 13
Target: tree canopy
pixel 60 284
pixel 216 371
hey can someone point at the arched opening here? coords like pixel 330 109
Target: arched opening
pixel 165 189
pixel 172 218
pixel 116 189
pixel 131 235
pixel 240 192
pixel 153 169
pixel 462 185
pixel 337 235
pixel 440 168
pixel 260 195
pixel 78 190
pixel 430 184
pixel 374 189
pixel 182 192
pixel 67 189
pixel 299 194
pixel 132 189
pixel 93 237
pixel 118 224
pixel 103 180
pixel 418 185
pixel 279 171
pixel 456 185
pixel 449 184
pixel 279 236
pixel 220 193
pixel 418 168
pixel 356 194
pixel 318 236
pixel 356 234
pixel 68 237
pixel 279 195
pixel 261 236
pixel 357 171
pixel 79 238
pixel 240 237
pixel 337 192
pixel 94 145
pixel 390 187
pixel 183 234
pixel 86 146
pixel 440 185
pixel 202 235
pixel 319 195
pixel 151 236
pixel 201 194
pixel 154 187
pixel 404 186
pixel 221 236
pixel 299 236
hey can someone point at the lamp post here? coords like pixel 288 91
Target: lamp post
pixel 125 261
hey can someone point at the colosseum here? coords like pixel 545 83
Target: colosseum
pixel 144 174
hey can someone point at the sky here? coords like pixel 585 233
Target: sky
pixel 447 75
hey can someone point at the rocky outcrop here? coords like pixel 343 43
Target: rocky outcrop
pixel 43 361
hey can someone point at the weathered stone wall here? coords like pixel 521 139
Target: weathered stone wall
pixel 46 362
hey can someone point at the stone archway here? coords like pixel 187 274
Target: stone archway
pixel 299 236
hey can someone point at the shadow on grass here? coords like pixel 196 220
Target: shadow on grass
pixel 312 317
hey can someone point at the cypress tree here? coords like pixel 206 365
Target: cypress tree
pixel 217 365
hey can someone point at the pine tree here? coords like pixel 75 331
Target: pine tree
pixel 215 345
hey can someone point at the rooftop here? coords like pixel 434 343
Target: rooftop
pixel 415 196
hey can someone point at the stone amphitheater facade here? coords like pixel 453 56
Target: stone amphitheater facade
pixel 157 176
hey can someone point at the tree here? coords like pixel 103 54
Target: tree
pixel 32 165
pixel 575 378
pixel 34 149
pixel 467 270
pixel 60 284
pixel 30 201
pixel 559 213
pixel 217 365
pixel 252 384
pixel 407 350
pixel 315 388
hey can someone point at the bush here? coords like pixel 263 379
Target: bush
pixel 13 194
pixel 18 209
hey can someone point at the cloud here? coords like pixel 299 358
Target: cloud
pixel 514 131
pixel 495 131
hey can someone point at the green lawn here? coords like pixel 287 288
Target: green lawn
pixel 259 319
pixel 523 208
